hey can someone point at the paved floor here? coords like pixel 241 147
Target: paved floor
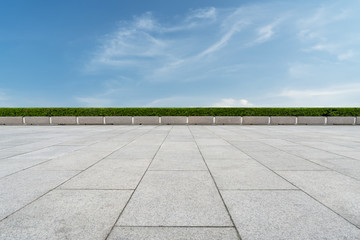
pixel 180 182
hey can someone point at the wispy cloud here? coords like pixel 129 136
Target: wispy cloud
pixel 224 39
pixel 211 47
pixel 334 95
pixel 332 91
pixel 202 13
pixel 346 55
pixel 317 30
pixel 299 70
pixel 266 32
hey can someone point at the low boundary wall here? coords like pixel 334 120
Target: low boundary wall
pixel 180 120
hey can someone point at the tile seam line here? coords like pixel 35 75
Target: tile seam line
pixel 292 184
pixel 68 179
pixel 142 177
pixel 216 186
pixel 48 160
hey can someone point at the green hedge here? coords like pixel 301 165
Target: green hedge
pixel 179 111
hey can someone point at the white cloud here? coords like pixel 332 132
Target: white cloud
pixel 331 91
pixel 346 55
pixel 299 70
pixel 145 22
pixel 231 102
pixel 203 13
pixel 321 47
pixel 224 39
pixel 337 50
pixel 266 32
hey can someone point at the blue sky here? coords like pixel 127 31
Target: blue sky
pixel 162 53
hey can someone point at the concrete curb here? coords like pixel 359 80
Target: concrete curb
pixel 11 120
pixel 311 120
pixel 227 120
pixel 96 120
pixel 180 120
pixel 173 120
pixel 146 120
pixel 283 120
pixel 254 120
pixel 200 120
pixel 341 120
pixel 66 120
pixel 36 120
pixel 118 120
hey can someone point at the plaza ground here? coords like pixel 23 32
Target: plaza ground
pixel 180 182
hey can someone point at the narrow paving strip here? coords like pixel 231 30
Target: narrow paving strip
pixel 180 182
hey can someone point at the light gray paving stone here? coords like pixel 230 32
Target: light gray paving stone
pixel 178 156
pixel 309 153
pixel 350 154
pixel 200 120
pixel 173 120
pixel 108 145
pixel 249 120
pixel 338 192
pixel 48 152
pixel 277 120
pixel 21 188
pixel 66 120
pixel 175 198
pixel 340 120
pixel 278 160
pixel 329 147
pixel 37 120
pixel 245 174
pixel 211 142
pixel 279 143
pixel 11 165
pixel 87 120
pixel 302 120
pixel 228 120
pixel 180 160
pixel 287 215
pixel 346 166
pixel 110 174
pixel 222 152
pixel 66 214
pixel 118 120
pixel 11 121
pixel 173 233
pixel 135 152
pixel 252 146
pixel 8 153
pixel 146 120
pixel 78 160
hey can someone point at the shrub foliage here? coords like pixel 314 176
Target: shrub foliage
pixel 180 111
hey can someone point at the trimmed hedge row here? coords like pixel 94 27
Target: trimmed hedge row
pixel 179 112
